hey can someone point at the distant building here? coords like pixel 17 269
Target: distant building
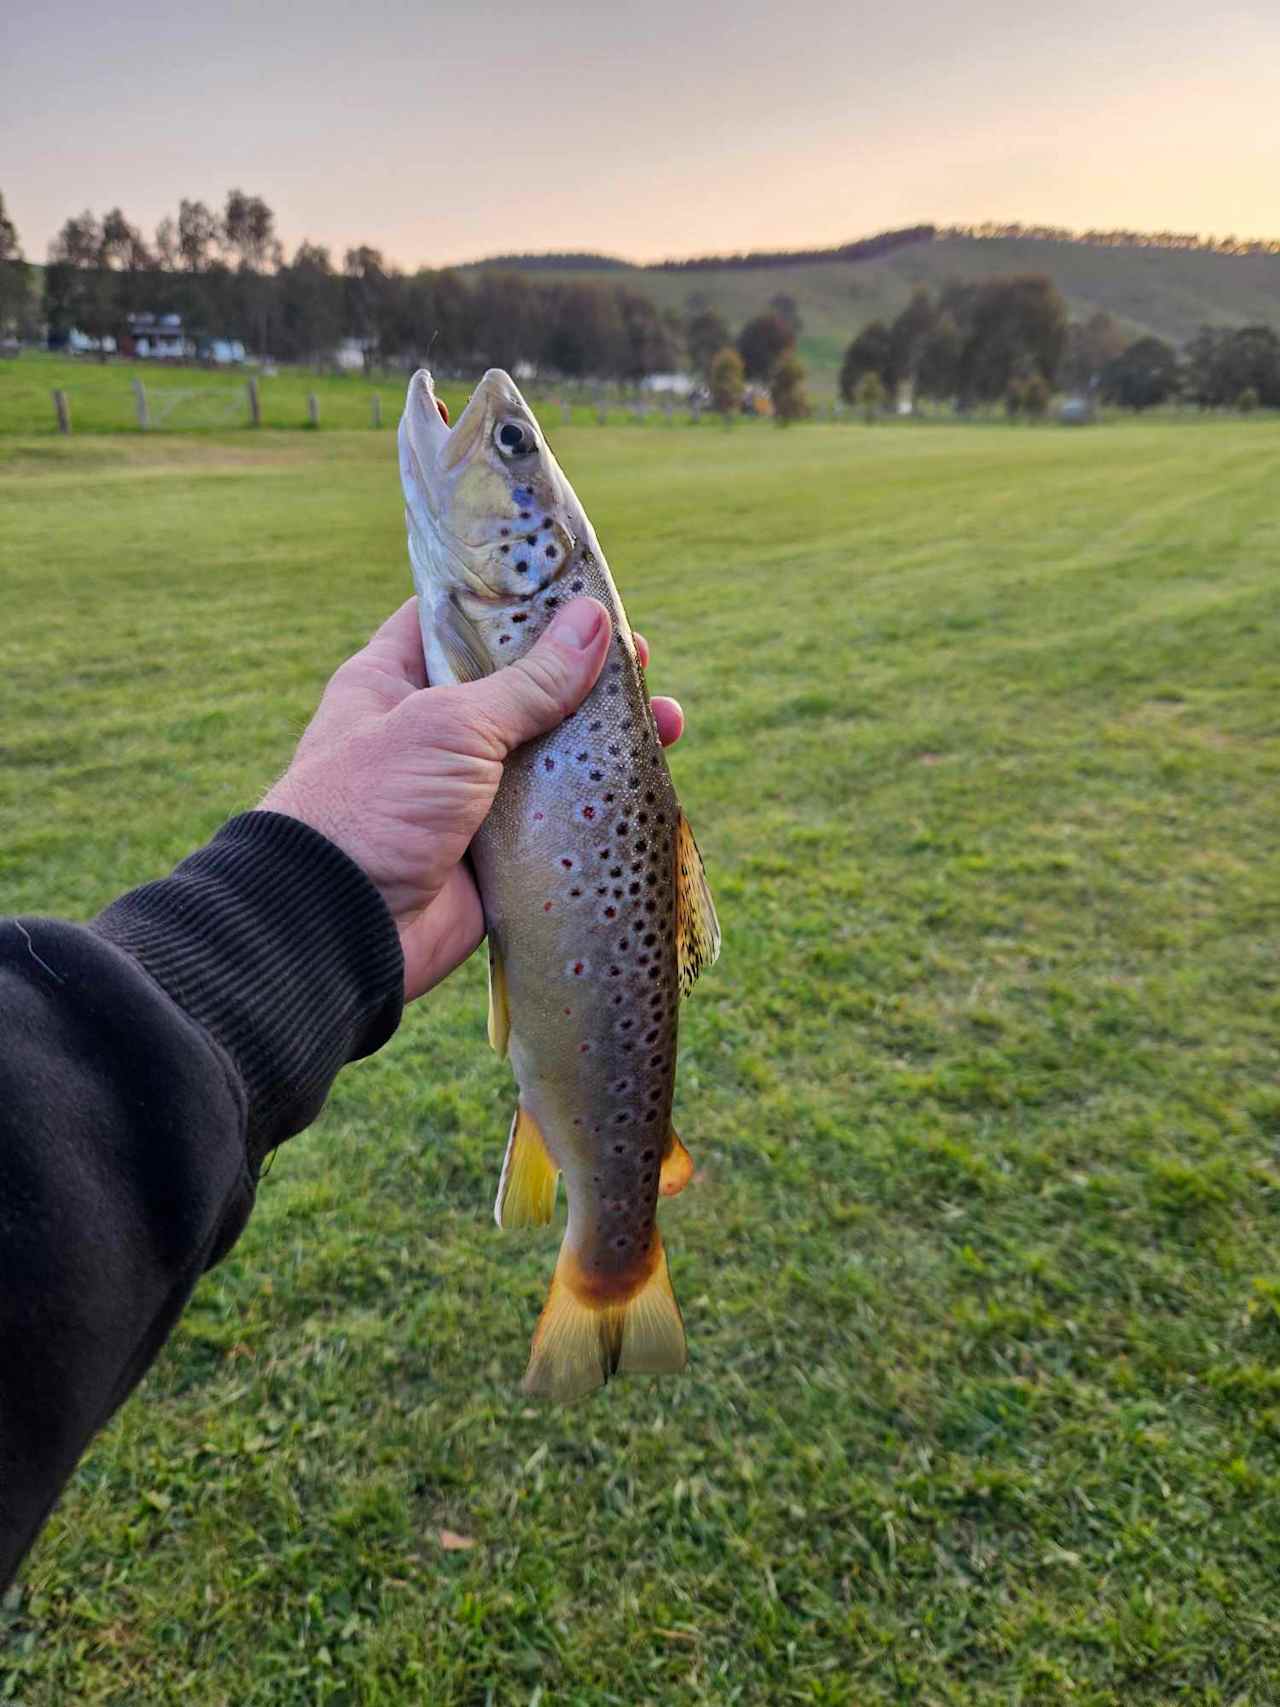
pixel 78 343
pixel 669 384
pixel 350 354
pixel 156 337
pixel 222 352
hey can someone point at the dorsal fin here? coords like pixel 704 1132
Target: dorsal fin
pixel 697 928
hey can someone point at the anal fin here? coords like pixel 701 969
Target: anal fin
pixel 499 1008
pixel 527 1188
pixel 697 928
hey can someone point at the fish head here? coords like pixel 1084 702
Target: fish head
pixel 488 507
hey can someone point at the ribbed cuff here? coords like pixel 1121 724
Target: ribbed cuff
pixel 279 945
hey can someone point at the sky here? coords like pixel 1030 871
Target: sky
pixel 441 133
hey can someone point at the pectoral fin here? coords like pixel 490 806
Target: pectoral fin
pixel 697 928
pixel 527 1189
pixel 461 643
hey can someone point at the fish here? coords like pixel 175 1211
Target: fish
pixel 597 910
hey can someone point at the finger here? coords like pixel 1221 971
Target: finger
pixel 669 716
pixel 642 649
pixel 396 647
pixel 540 690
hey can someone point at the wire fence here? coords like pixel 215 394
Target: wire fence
pixel 38 396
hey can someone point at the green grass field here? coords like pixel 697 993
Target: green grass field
pixel 981 1266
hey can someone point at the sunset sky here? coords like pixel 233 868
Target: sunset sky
pixel 684 126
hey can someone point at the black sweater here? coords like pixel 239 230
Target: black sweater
pixel 148 1063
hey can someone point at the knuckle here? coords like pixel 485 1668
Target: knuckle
pixel 546 683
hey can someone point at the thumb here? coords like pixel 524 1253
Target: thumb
pixel 532 696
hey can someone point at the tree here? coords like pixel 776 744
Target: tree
pixel 727 381
pixel 122 247
pixel 1141 376
pixel 10 248
pixel 79 243
pixel 367 299
pixel 787 309
pixel 1090 345
pixel 939 372
pixel 870 395
pixel 308 305
pixel 868 353
pixel 165 248
pixel 1015 395
pixel 197 235
pixel 1250 359
pixel 762 342
pixel 81 290
pixel 249 233
pixel 584 333
pixel 786 389
pixel 1247 401
pixel 1036 397
pixel 907 339
pixel 1201 379
pixel 504 316
pixel 706 335
pixel 1018 327
pixel 15 279
pixel 646 343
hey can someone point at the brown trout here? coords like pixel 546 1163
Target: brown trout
pixel 598 914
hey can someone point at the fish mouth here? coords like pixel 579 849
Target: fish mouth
pixel 425 422
pixel 495 396
pixel 436 446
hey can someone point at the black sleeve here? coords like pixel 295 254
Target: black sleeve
pixel 148 1062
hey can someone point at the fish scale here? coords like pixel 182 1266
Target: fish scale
pixel 595 903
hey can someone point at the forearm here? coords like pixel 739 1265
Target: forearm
pixel 147 1064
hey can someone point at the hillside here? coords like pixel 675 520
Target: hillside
pixel 1166 291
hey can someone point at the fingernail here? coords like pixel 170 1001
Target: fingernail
pixel 578 623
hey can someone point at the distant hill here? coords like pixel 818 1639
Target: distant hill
pixel 1150 287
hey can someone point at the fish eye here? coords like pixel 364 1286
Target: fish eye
pixel 514 439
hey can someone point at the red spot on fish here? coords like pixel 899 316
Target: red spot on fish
pixel 538 817
pixel 578 969
pixel 546 906
pixel 588 811
pixel 584 1048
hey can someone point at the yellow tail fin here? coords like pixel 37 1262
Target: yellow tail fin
pixel 579 1343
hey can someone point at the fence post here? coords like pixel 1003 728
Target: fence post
pixel 313 409
pixel 566 413
pixel 140 398
pixel 375 409
pixel 255 403
pixel 64 411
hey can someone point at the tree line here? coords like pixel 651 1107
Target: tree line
pixel 1010 340
pixel 225 271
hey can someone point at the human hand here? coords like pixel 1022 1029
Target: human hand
pixel 400 775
